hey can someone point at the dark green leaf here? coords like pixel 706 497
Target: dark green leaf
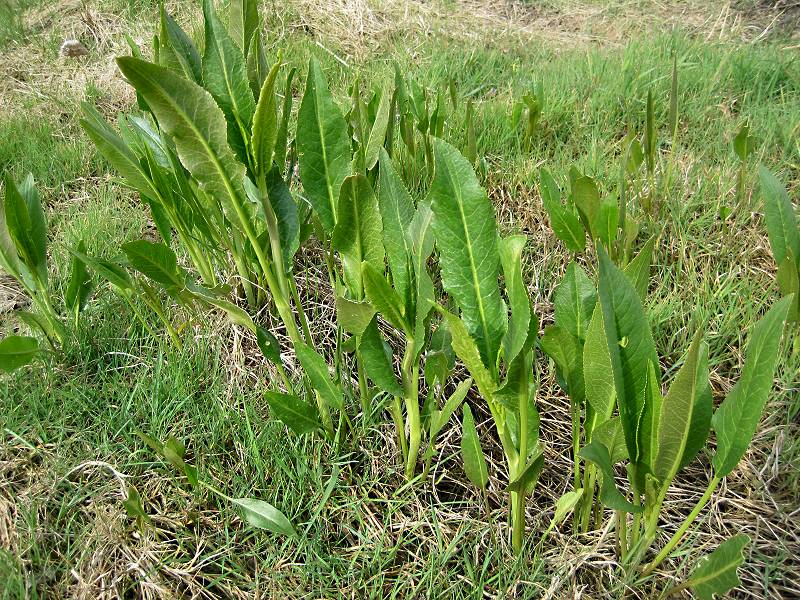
pixel 385 300
pixel 265 123
pixel 297 414
pixel 17 351
pixel 566 225
pixel 471 452
pixel 377 362
pixel 80 283
pixel 610 496
pixel 519 326
pixel 353 316
pixel 575 299
pixel 782 227
pixel 268 345
pixel 316 368
pixel 155 261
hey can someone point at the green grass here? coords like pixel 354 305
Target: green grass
pixel 362 530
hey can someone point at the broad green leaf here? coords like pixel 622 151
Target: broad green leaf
pixel 565 505
pixel 155 261
pixel 353 316
pixel 358 233
pixel 286 213
pixel 323 147
pixel 518 392
pixel 519 326
pixel 638 270
pixel 24 218
pixel 744 143
pixel 316 368
pixel 575 299
pixel 466 234
pixel 715 574
pixel 674 424
pixel 609 434
pixel 441 418
pixel 243 21
pixel 631 348
pixel 467 351
pixel 397 211
pixel 610 496
pixel 377 363
pixel 80 282
pixel 701 417
pixel 788 277
pixel 385 300
pixel 263 515
pixel 268 344
pixel 586 197
pixel 265 123
pixel 737 417
pixel 256 61
pixel 377 134
pixel 133 505
pixel 236 314
pixel 297 414
pixel 779 215
pixel 225 78
pixel 565 350
pixel 112 272
pixel 565 223
pixel 607 221
pixel 197 126
pixel 597 370
pixel 176 49
pixel 116 152
pixel 17 351
pixel 472 453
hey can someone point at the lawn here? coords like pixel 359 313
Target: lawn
pixel 70 449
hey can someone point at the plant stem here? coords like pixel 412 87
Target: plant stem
pixel 576 446
pixel 396 411
pixel 622 524
pixel 676 538
pixel 410 369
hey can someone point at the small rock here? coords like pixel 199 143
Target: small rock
pixel 73 48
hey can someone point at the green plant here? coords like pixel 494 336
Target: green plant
pixel 23 255
pixel 659 435
pixel 604 220
pixel 743 146
pixel 783 230
pixel 498 352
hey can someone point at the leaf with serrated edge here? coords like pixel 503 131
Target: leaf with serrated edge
pixel 466 234
pixel 323 147
pixel 737 417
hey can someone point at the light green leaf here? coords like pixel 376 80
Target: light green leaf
pixel 530 475
pixel 353 316
pixel 565 505
pixel 17 351
pixel 467 351
pixel 737 417
pixel 225 77
pixel 607 221
pixel 176 49
pixel 397 211
pixel 466 234
pixel 716 573
pixel 519 327
pixel 300 416
pixel 597 370
pixel 323 147
pixel 358 233
pixel 677 410
pixel 609 434
pixel 377 134
pixel 316 368
pixel 575 299
pixel 265 122
pixel 197 126
pixel 779 215
pixel 385 300
pixel 420 233
pixel 744 143
pixel 377 362
pixel 586 197
pixel 281 143
pixel 441 418
pixel 263 515
pixel 471 452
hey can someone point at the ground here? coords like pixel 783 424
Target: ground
pixel 69 446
